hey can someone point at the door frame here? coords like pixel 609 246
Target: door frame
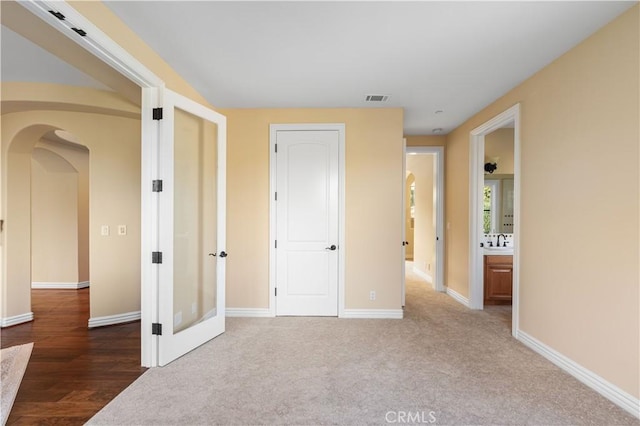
pixel 273 130
pixel 103 47
pixel 438 152
pixel 476 184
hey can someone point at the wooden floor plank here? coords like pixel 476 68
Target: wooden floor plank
pixel 73 371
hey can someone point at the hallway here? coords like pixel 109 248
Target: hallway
pixel 73 371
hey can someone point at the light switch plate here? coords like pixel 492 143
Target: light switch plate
pixel 122 229
pixel 104 230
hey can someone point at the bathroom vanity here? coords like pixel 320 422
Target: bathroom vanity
pixel 498 277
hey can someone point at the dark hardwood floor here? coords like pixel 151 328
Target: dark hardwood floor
pixel 73 371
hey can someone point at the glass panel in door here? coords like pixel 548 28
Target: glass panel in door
pixel 194 270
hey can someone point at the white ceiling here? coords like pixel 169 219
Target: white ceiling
pixel 455 57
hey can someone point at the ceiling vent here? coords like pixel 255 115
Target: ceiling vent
pixel 376 98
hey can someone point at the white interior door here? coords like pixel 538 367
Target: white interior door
pixel 191 227
pixel 307 210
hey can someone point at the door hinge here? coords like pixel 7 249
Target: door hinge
pixel 157 185
pixel 57 14
pixel 157 113
pixel 156 257
pixel 80 31
pixel 276 148
pixel 276 196
pixel 276 291
pixel 156 329
pixel 276 244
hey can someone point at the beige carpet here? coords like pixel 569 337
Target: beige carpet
pixel 443 364
pixel 13 362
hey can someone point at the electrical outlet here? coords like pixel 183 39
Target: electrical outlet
pixel 194 307
pixel 177 319
pixel 104 230
pixel 372 295
pixel 122 229
pixel 428 267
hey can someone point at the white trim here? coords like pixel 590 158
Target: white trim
pixel 476 184
pixel 403 225
pixel 249 312
pixel 605 388
pixel 457 297
pixel 428 278
pixel 341 129
pixel 149 230
pixel 59 286
pixel 114 319
pixel 16 319
pixel 95 41
pixel 372 313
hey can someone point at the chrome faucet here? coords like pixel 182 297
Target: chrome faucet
pixel 504 243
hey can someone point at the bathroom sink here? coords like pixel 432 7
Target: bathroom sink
pixel 498 250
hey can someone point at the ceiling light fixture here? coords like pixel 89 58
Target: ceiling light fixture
pixel 437 130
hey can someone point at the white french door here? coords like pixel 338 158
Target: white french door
pixel 191 283
pixel 307 215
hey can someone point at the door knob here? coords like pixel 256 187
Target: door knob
pixel 332 248
pixel 223 254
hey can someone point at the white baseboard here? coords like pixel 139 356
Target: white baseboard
pixel 428 278
pixel 248 312
pixel 458 297
pixel 373 313
pixel 17 319
pixel 59 286
pixel 114 319
pixel 610 391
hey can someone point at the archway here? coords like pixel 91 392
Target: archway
pixel 35 157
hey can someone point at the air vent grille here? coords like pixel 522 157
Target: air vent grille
pixel 376 98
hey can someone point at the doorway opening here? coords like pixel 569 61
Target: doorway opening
pixel 494 215
pixel 122 72
pixel 59 213
pixel 423 216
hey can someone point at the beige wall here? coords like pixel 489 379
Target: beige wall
pixel 374 183
pixel 422 167
pixel 114 144
pixel 498 148
pixel 78 157
pixel 579 226
pixel 426 140
pixel 54 219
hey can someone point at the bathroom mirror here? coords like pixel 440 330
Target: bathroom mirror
pixel 498 181
pixel 498 204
